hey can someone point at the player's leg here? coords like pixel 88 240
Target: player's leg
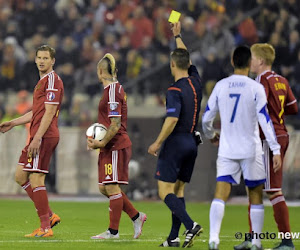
pixel 22 177
pixel 216 212
pixel 138 218
pixel 228 173
pixel 275 195
pixel 256 213
pixel 255 176
pixel 166 193
pixel 176 223
pixel 38 168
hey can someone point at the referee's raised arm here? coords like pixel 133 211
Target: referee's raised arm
pixel 176 29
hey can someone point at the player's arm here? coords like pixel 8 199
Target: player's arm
pixel 291 107
pixel 50 111
pixel 115 124
pixel 173 108
pixel 167 129
pixel 176 29
pixel 6 126
pixel 209 116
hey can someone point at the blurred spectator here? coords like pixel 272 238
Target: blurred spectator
pixel 9 68
pixel 212 71
pixel 134 64
pixel 189 35
pixel 68 52
pixel 29 74
pixel 138 27
pixel 23 104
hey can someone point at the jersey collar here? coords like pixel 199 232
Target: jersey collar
pixel 47 74
pixel 110 84
pixel 264 72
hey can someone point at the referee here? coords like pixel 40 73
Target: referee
pixel 178 142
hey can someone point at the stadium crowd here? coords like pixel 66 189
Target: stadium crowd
pixel 138 34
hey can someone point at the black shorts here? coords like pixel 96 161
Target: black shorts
pixel 177 158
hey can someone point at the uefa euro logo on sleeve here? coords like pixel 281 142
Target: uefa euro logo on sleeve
pixel 50 96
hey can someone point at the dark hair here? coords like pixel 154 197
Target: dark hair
pixel 241 57
pixel 46 48
pixel 181 57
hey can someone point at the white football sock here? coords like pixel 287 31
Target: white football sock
pixel 216 214
pixel 257 220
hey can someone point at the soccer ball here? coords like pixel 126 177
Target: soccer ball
pixel 96 131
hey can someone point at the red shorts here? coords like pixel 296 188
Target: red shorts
pixel 113 166
pixel 274 180
pixel 40 163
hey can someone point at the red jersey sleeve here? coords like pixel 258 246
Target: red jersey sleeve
pixel 115 100
pixel 291 107
pixel 54 90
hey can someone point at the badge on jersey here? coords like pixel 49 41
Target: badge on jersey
pixel 50 96
pixel 113 106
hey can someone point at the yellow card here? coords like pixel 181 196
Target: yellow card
pixel 174 16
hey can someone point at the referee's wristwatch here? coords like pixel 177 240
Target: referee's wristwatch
pixel 177 36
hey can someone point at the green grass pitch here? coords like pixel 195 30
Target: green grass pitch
pixel 81 220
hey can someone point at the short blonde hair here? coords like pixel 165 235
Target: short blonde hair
pixel 264 51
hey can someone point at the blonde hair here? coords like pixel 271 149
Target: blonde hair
pixel 109 64
pixel 264 51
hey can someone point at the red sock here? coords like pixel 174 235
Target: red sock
pixel 281 213
pixel 115 210
pixel 40 199
pixel 128 208
pixel 27 187
pixel 249 218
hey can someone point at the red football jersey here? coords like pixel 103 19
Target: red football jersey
pixel 113 104
pixel 49 90
pixel 280 98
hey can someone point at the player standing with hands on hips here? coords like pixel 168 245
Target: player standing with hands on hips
pixel 178 142
pixel 44 136
pixel 242 103
pixel 115 150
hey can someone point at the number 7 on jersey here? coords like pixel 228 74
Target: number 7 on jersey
pixel 237 96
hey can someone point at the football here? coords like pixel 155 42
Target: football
pixel 96 131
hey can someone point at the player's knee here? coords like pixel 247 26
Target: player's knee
pixel 102 190
pixel 112 189
pixel 37 179
pixel 20 177
pixel 256 195
pixel 223 190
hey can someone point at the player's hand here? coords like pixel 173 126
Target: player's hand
pixel 94 144
pixel 153 148
pixel 34 147
pixel 276 163
pixel 6 126
pixel 176 28
pixel 216 139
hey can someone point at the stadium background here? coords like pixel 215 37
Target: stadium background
pixel 137 33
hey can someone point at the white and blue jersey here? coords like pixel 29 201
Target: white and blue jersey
pixel 241 103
